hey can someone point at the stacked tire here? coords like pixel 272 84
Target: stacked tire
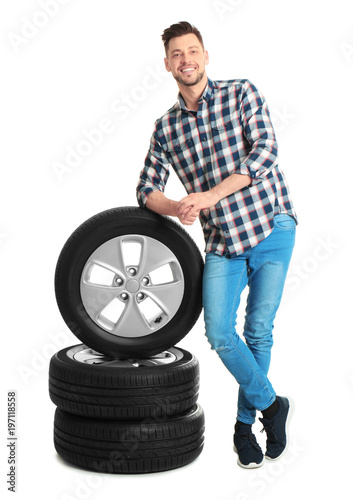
pixel 128 285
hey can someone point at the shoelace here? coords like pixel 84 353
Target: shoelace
pixel 271 435
pixel 247 439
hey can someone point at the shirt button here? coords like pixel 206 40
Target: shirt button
pixel 204 138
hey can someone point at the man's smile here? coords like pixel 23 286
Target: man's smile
pixel 188 69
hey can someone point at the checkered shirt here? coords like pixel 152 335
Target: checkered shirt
pixel 230 133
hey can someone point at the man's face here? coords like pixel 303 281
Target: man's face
pixel 186 59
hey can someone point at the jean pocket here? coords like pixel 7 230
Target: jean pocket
pixel 284 221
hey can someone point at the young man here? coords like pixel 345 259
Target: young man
pixel 219 139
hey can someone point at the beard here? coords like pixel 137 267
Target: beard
pixel 197 80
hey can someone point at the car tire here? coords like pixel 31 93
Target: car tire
pixel 128 282
pixel 121 447
pixel 86 383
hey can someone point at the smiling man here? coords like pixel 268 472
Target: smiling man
pixel 219 139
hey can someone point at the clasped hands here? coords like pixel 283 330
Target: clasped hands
pixel 189 208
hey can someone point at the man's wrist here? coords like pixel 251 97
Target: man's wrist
pixel 173 208
pixel 216 194
pixel 158 202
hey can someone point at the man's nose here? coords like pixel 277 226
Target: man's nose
pixel 185 59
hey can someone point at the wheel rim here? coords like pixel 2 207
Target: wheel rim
pixel 84 354
pixel 132 285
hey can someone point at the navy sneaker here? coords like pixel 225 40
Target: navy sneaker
pixel 247 448
pixel 276 429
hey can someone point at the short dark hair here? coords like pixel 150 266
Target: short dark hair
pixel 179 29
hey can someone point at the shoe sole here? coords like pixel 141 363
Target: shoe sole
pixel 289 418
pixel 251 465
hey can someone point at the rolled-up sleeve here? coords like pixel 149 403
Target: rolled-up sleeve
pixel 154 175
pixel 259 132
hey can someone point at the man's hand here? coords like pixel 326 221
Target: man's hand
pixel 191 205
pixel 189 217
pixel 159 203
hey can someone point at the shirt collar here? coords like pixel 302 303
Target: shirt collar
pixel 207 93
pixel 210 87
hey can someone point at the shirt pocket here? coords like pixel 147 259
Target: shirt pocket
pixel 181 149
pixel 220 125
pixel 226 127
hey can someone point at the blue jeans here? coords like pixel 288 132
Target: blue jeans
pixel 263 268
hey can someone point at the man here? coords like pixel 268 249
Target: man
pixel 219 139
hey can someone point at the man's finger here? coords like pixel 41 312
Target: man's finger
pixel 184 209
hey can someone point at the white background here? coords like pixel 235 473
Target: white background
pixel 62 74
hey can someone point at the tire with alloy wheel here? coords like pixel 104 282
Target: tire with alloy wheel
pixel 128 282
pixel 84 382
pixel 125 447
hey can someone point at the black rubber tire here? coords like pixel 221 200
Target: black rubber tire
pixel 129 448
pixel 98 230
pixel 108 392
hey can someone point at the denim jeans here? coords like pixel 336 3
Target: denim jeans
pixel 263 268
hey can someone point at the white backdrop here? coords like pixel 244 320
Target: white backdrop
pixel 70 67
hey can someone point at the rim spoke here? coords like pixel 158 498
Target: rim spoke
pixel 97 297
pixel 109 255
pixel 90 356
pixel 132 323
pixel 167 295
pixel 159 359
pixel 161 356
pixel 147 362
pixel 154 255
pixel 121 363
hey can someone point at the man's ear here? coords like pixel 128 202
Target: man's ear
pixel 166 64
pixel 207 58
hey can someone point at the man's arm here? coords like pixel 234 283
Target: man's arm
pixel 153 178
pixel 258 130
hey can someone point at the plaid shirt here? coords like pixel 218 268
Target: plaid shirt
pixel 230 133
